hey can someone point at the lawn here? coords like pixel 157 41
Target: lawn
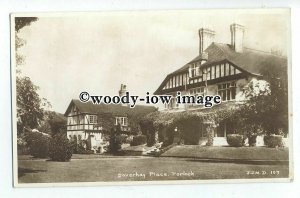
pixel 228 153
pixel 141 169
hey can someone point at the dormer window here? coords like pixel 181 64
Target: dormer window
pixel 193 68
pixel 123 121
pixel 93 119
pixel 75 110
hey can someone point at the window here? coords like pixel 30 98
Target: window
pixel 123 121
pixel 208 73
pixel 227 91
pixel 193 69
pixel 93 119
pixel 75 110
pixel 198 70
pixel 197 92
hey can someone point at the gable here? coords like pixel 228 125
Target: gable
pixel 115 110
pixel 249 62
pixel 212 73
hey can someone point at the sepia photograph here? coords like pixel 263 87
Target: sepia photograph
pixel 151 97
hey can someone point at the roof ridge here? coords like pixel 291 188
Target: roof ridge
pixel 266 52
pixel 256 50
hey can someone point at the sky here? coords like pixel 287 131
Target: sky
pixel 66 54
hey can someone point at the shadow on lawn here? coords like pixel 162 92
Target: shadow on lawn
pixel 241 161
pixel 23 171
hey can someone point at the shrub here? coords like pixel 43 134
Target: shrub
pixel 123 138
pixel 210 136
pixel 115 142
pixel 22 145
pixel 129 139
pixel 235 140
pixel 190 128
pixel 273 141
pixel 38 144
pixel 138 140
pixel 60 148
pixel 78 147
pixel 252 140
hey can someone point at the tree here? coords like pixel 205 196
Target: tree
pixel 29 111
pixel 277 75
pixel 21 22
pixel 266 111
pixel 57 122
pixel 115 141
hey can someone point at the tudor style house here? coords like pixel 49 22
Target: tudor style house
pixel 219 69
pixel 84 119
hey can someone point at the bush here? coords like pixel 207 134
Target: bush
pixel 115 143
pixel 252 140
pixel 235 140
pixel 129 139
pixel 38 144
pixel 273 141
pixel 190 128
pixel 60 148
pixel 123 138
pixel 210 136
pixel 22 145
pixel 138 140
pixel 79 147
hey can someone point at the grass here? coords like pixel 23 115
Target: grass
pixel 119 169
pixel 233 153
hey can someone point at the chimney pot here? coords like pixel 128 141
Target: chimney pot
pixel 237 36
pixel 206 37
pixel 122 90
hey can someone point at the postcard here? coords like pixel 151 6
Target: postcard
pixel 151 97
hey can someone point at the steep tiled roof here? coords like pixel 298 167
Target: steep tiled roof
pixel 117 110
pixel 249 60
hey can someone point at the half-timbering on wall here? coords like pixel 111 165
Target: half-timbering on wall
pixel 85 121
pixel 219 69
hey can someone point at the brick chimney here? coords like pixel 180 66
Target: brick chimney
pixel 122 90
pixel 206 37
pixel 237 36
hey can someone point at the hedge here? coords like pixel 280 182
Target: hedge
pixel 60 148
pixel 38 144
pixel 235 140
pixel 273 141
pixel 138 140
